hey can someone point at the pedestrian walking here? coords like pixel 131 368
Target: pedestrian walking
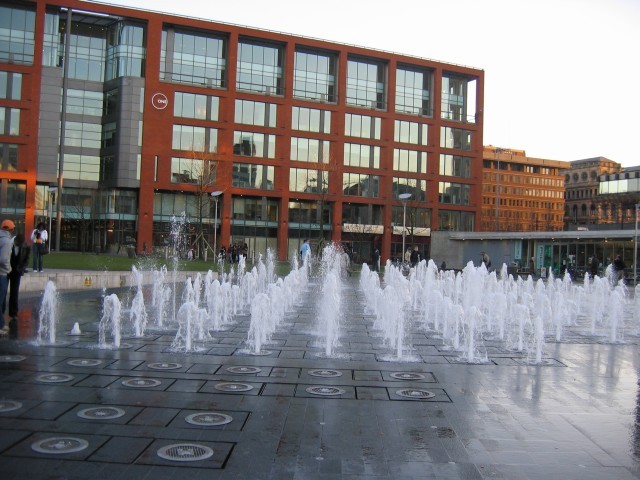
pixel 305 251
pixel 39 238
pixel 6 242
pixel 19 260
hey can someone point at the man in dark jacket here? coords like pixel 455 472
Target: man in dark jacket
pixel 19 261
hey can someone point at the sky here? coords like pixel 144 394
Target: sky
pixel 562 77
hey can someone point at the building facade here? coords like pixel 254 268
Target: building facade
pixel 582 184
pixel 119 124
pixel 520 193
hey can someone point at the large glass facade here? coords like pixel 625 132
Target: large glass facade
pixel 314 76
pixel 193 57
pixel 17 40
pixel 260 68
pixel 366 84
pixel 83 102
pixel 125 51
pixel 413 91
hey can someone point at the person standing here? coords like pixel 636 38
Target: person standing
pixel 376 260
pixel 618 268
pixel 415 256
pixel 305 251
pixel 39 239
pixel 19 260
pixel 595 263
pixel 6 230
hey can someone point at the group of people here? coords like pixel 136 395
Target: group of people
pixel 234 253
pixel 14 259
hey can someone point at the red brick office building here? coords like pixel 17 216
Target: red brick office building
pixel 298 137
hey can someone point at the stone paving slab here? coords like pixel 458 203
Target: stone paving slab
pixel 575 416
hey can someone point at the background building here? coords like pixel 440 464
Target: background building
pixel 118 124
pixel 582 182
pixel 520 193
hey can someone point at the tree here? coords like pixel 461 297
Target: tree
pixel 203 172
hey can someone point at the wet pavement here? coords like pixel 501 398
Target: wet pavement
pixel 73 411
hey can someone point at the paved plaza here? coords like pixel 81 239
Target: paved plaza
pixel 73 411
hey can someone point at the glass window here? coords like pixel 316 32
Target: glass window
pixel 360 184
pixel 9 121
pixel 16 197
pixel 364 156
pixel 366 84
pixel 193 170
pixel 311 120
pixel 249 175
pixel 456 221
pixel 83 102
pixel 196 139
pixel 362 126
pixel 260 68
pixel 255 113
pixel 8 157
pixel 459 98
pixel 193 57
pixel 192 105
pixel 413 91
pixel 455 138
pixel 82 167
pixel 252 144
pixel 417 188
pixel 309 150
pixel 454 193
pixel 314 76
pixel 17 40
pixel 409 161
pixel 362 214
pixel 10 85
pixel 411 132
pixel 82 134
pixel 308 181
pixel 455 165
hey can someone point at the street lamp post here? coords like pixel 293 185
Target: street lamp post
pixel 52 193
pixel 403 198
pixel 215 196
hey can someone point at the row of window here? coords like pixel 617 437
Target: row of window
pixel 102 51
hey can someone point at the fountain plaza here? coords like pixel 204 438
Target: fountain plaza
pixel 319 375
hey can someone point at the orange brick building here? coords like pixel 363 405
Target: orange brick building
pixel 520 193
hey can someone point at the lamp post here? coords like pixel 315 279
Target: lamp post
pixel 52 193
pixel 403 198
pixel 635 249
pixel 215 196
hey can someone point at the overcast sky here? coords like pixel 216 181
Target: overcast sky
pixel 562 77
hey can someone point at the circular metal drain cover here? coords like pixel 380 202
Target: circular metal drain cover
pixel 54 377
pixel 9 405
pixel 244 370
pixel 208 419
pixel 325 391
pixel 101 413
pixel 185 452
pixel 60 445
pixel 141 382
pixel 407 376
pixel 84 362
pixel 322 372
pixel 12 358
pixel 415 393
pixel 233 387
pixel 165 366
